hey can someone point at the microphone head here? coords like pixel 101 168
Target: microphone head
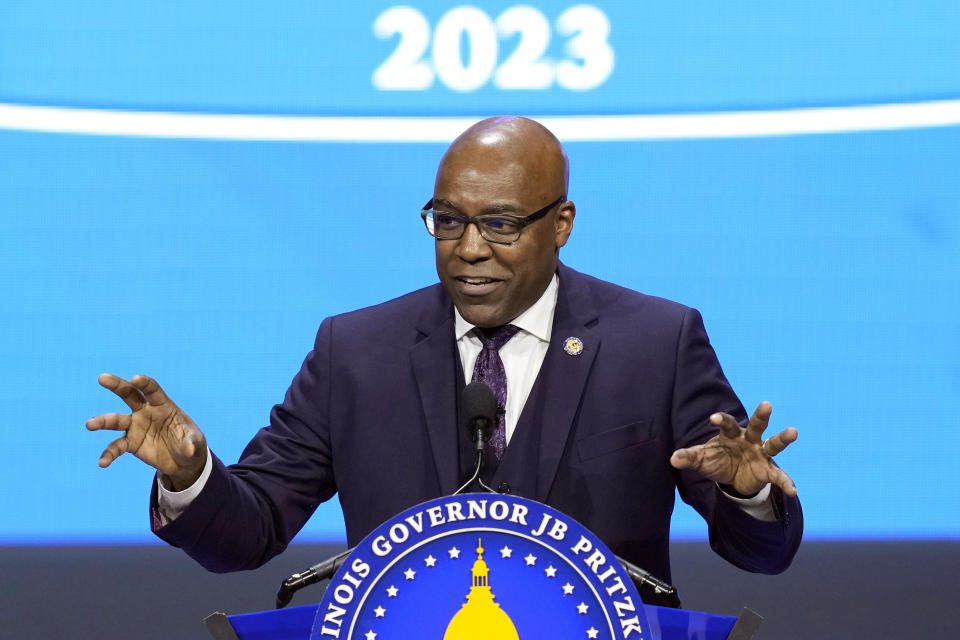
pixel 478 412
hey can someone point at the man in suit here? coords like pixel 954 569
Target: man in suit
pixel 610 398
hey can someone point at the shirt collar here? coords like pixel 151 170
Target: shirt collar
pixel 537 320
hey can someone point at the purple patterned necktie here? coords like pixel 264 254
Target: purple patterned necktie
pixel 489 370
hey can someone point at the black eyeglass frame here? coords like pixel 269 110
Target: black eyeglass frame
pixel 521 221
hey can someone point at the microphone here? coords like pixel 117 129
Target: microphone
pixel 316 573
pixel 478 413
pixel 652 589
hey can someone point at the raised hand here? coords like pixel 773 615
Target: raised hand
pixel 156 431
pixel 740 457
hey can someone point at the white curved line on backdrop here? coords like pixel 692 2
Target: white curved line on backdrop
pixel 733 124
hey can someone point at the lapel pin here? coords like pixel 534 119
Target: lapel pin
pixel 573 346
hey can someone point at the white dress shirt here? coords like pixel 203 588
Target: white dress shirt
pixel 522 355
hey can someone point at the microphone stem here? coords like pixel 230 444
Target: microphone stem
pixel 475 477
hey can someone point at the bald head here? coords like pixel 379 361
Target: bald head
pixel 515 168
pixel 523 144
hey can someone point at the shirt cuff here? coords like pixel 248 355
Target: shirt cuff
pixel 759 506
pixel 170 504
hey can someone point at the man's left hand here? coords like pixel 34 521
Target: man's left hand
pixel 740 457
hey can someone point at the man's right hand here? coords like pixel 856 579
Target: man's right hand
pixel 156 431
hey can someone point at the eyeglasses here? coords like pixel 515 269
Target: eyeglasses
pixel 499 228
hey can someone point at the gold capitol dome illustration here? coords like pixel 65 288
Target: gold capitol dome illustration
pixel 480 618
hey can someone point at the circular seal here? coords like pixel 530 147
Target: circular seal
pixel 481 565
pixel 573 346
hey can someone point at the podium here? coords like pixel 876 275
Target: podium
pixel 490 566
pixel 667 624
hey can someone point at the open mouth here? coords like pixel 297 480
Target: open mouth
pixel 476 286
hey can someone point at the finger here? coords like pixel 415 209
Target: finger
pixel 758 422
pixel 151 390
pixel 113 451
pixel 686 458
pixel 110 421
pixel 786 484
pixel 127 392
pixel 775 444
pixel 188 447
pixel 727 423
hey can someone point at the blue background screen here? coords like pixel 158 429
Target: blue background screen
pixel 823 248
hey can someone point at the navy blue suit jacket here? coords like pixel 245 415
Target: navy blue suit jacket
pixel 372 415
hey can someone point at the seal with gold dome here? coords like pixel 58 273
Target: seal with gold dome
pixel 481 565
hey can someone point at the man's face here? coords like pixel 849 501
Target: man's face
pixel 491 284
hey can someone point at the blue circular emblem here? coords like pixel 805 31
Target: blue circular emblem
pixel 481 565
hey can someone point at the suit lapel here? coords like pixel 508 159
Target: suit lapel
pixel 437 383
pixel 564 376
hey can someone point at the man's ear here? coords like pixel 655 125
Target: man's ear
pixel 563 225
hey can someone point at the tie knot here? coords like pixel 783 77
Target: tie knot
pixel 495 337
